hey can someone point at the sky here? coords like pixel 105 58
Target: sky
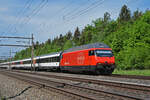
pixel 50 18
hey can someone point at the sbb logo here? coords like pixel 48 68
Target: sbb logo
pixel 80 58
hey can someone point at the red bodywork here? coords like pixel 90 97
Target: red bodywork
pixel 82 58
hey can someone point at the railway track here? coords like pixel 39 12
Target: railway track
pixel 133 86
pixel 68 89
pixel 123 76
pixel 94 93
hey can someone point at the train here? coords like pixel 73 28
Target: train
pixel 96 58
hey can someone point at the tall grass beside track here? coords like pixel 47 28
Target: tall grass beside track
pixel 2 98
pixel 133 72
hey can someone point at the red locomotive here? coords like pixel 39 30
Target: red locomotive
pixel 96 57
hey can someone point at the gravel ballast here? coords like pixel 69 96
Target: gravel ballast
pixel 89 85
pixel 13 89
pixel 36 93
pixel 101 77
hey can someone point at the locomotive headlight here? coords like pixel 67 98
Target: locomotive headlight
pixel 112 63
pixel 98 63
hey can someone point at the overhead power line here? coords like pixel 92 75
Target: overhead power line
pixel 35 11
pixel 66 7
pixel 59 11
pixel 20 13
pixel 28 17
pixel 15 37
pixel 12 45
pixel 83 11
pixel 75 9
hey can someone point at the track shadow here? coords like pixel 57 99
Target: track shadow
pixel 18 94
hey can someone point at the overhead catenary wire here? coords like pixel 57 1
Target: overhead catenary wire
pixel 75 9
pixel 84 11
pixel 19 15
pixel 35 11
pixel 91 6
pixel 59 11
pixel 62 10
pixel 26 10
pixel 29 14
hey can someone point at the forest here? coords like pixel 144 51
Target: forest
pixel 128 36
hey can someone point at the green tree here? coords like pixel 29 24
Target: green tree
pixel 76 36
pixel 69 35
pixel 106 17
pixel 125 14
pixel 136 14
pixel 68 44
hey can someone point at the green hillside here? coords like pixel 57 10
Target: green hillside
pixel 128 36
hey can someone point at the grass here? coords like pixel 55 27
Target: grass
pixel 133 72
pixel 3 99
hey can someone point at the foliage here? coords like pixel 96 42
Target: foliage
pixel 128 36
pixel 133 72
pixel 3 98
pixel 125 14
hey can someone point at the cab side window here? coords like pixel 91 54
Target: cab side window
pixel 91 52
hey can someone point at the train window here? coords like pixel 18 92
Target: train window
pixel 61 56
pixel 57 59
pixel 45 60
pixel 54 59
pixel 37 60
pixel 91 52
pixel 27 62
pixel 51 59
pixel 104 53
pixel 17 62
pixel 41 60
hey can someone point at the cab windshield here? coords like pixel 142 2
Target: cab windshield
pixel 104 53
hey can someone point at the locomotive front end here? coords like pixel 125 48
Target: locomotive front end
pixel 105 61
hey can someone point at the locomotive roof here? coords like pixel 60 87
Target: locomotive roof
pixel 87 46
